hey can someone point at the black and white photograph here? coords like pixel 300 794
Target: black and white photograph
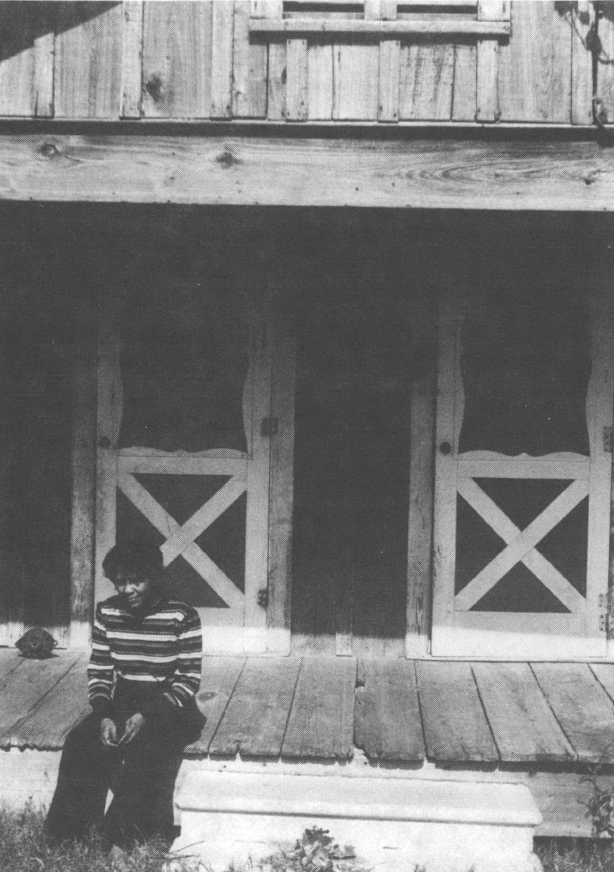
pixel 306 435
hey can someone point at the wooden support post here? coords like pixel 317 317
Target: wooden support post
pixel 108 418
pixel 599 412
pixel 282 483
pixel 344 564
pixel 83 501
pixel 421 480
pixel 257 408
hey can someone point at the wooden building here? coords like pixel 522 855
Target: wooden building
pixel 318 298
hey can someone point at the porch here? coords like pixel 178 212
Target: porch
pixel 543 724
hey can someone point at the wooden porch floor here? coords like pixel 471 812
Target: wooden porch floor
pixel 325 708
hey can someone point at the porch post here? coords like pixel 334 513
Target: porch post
pixel 282 478
pixel 83 500
pixel 421 466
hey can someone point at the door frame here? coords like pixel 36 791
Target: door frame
pixel 264 626
pixel 521 636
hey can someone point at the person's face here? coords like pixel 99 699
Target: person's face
pixel 134 588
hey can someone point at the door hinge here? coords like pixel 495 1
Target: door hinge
pixel 607 439
pixel 269 426
pixel 603 623
pixel 263 597
pixel 603 601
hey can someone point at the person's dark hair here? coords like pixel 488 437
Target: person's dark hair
pixel 133 557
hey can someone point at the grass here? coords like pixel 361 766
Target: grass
pixel 23 849
pixel 575 855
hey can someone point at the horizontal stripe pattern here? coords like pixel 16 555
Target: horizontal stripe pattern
pixel 164 645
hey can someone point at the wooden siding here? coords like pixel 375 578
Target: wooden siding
pixel 186 60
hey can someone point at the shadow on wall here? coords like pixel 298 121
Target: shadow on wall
pixel 21 24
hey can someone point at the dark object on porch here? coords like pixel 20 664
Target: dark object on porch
pixel 36 643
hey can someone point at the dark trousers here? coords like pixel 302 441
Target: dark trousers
pixel 141 775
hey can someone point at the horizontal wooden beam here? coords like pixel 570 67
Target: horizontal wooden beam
pixel 394 29
pixel 396 173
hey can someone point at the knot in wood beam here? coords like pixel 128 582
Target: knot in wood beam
pixel 48 150
pixel 227 159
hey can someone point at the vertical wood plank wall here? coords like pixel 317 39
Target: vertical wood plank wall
pixel 605 66
pixel 87 75
pixel 185 60
pixel 176 60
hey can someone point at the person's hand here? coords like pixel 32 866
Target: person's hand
pixel 133 727
pixel 108 733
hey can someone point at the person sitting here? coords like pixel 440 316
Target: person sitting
pixel 144 672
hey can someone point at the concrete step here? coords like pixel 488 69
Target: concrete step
pixel 394 825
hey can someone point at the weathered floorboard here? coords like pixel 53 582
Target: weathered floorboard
pixel 604 673
pixel 49 722
pixel 10 660
pixel 219 678
pixel 521 721
pixel 580 705
pixel 387 720
pixel 321 722
pixel 455 726
pixel 525 174
pixel 31 681
pixel 255 719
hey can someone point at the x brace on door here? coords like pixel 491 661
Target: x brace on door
pixel 520 545
pixel 180 538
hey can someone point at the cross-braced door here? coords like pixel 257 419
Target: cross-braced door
pixel 522 473
pixel 184 452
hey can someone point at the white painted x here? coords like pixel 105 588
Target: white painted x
pixel 520 545
pixel 180 537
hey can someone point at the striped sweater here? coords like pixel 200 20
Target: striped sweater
pixel 162 645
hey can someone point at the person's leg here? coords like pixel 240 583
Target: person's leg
pixel 142 805
pixel 80 794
